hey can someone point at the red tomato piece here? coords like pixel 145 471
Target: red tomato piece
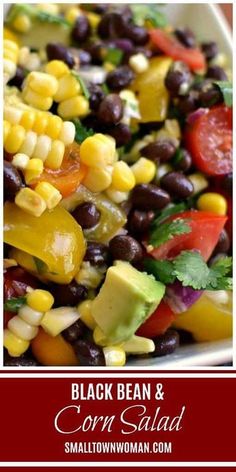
pixel 158 322
pixel 168 44
pixel 209 140
pixel 206 228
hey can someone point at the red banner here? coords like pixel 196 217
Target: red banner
pixel 118 419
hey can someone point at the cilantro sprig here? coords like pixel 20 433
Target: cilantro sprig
pixel 191 270
pixel 226 89
pixel 14 304
pixel 166 231
pixel 35 14
pixel 152 13
pixel 81 132
pixel 83 86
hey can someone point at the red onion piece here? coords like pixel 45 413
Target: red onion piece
pixel 192 117
pixel 181 298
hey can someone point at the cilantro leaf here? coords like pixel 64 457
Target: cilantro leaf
pixel 226 88
pixel 161 269
pixel 14 304
pixel 168 211
pixel 114 56
pixel 217 275
pixel 149 12
pixel 167 231
pixel 81 132
pixel 41 267
pixel 191 270
pixel 83 86
pixel 35 14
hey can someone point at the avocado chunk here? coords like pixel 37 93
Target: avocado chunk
pixel 126 299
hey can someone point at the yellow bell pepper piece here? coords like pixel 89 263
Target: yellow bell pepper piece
pixel 54 240
pixel 210 318
pixel 152 94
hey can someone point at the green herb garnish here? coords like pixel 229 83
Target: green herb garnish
pixel 162 270
pixel 81 132
pixel 226 88
pixel 114 56
pixel 142 13
pixel 41 267
pixel 83 86
pixel 14 304
pixel 166 231
pixel 169 211
pixel 36 14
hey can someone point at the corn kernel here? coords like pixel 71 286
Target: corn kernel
pixel 50 194
pixel 9 35
pixel 138 345
pixel 213 202
pixel 33 62
pixel 97 151
pixel 40 300
pixel 57 68
pixel 29 143
pixel 9 67
pixel 99 337
pixel 42 147
pixel 72 14
pixel 108 66
pixel 14 139
pixel 54 126
pixel 30 201
pixel 33 170
pixel 68 87
pixel 199 182
pixel 144 171
pixel 36 100
pixel 116 196
pixel 67 134
pixel 20 161
pixel 6 130
pixel 55 155
pixel 11 55
pixel 42 83
pixel 41 122
pixel 11 45
pixel 98 179
pixel 12 114
pixel 32 317
pixel 122 177
pixel 73 107
pixel 22 23
pixel 114 356
pixel 94 19
pixel 14 345
pixel 139 63
pixel 22 329
pixel 84 310
pixel 24 54
pixel 51 8
pixel 28 119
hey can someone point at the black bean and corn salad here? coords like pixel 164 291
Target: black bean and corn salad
pixel 117 185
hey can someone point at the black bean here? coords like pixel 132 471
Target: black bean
pixel 110 110
pixel 96 51
pixel 120 78
pixel 100 8
pixel 87 215
pixel 112 25
pixel 137 34
pixel 178 79
pixel 166 343
pixel 223 243
pixel 125 248
pixel 188 103
pixel 96 96
pixel 126 206
pixel 70 294
pixel 81 29
pixel 210 96
pixel 22 361
pixel 185 162
pixel 60 52
pixel 97 253
pixel 149 197
pixel 74 332
pixel 227 183
pixel 121 133
pixel 177 184
pixel 84 57
pixel 89 353
pixel 18 78
pixel 12 181
pixel 161 150
pixel 210 50
pixel 216 72
pixel 140 221
pixel 186 37
pixel 185 337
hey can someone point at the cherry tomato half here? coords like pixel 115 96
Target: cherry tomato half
pixel 158 322
pixel 168 44
pixel 209 140
pixel 205 231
